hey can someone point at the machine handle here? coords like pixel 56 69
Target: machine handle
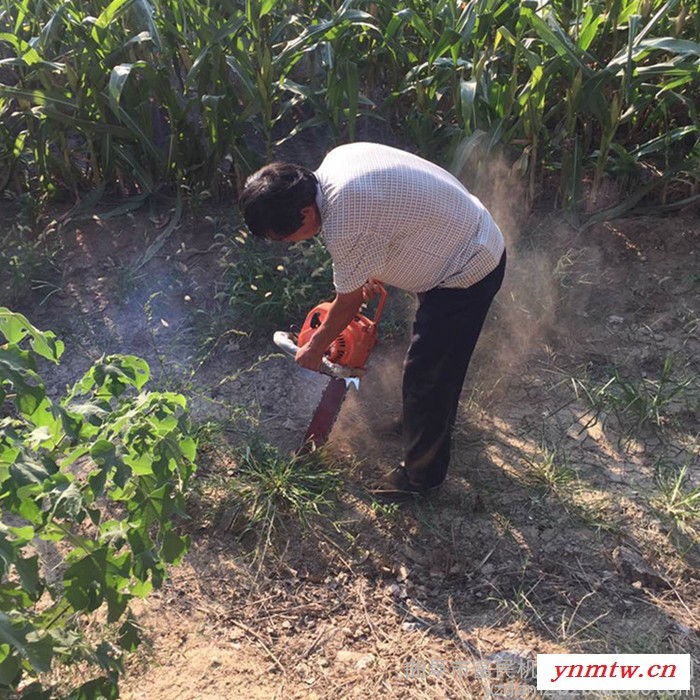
pixel 380 306
pixel 287 343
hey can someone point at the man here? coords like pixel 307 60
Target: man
pixel 390 216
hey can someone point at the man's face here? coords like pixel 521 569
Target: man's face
pixel 310 225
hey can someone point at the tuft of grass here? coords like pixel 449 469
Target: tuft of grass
pixel 385 510
pixel 550 471
pixel 649 398
pixel 574 268
pixel 25 259
pixel 209 434
pixel 270 492
pixel 210 330
pixel 596 511
pixel 677 499
pixel 520 603
pixel 573 625
pixel 646 401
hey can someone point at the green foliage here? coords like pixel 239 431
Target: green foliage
pixel 268 285
pixel 678 499
pixel 580 89
pixel 91 488
pixel 136 95
pixel 549 470
pixel 25 258
pixel 274 485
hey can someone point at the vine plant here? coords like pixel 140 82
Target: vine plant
pixel 92 486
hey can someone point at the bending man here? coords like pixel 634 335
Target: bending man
pixel 390 216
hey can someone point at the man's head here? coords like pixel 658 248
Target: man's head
pixel 279 202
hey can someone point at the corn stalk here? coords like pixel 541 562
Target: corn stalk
pixel 135 96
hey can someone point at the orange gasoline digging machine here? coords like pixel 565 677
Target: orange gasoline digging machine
pixel 344 361
pixel 353 346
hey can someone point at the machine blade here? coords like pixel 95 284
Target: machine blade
pixel 325 415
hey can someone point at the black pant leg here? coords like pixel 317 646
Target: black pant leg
pixel 445 332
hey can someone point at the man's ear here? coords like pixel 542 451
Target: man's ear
pixel 306 212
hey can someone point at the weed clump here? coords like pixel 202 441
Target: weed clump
pixel 266 287
pixel 268 493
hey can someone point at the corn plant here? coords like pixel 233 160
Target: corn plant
pixel 588 88
pixel 334 85
pixel 141 95
pixel 434 47
pixel 606 61
pixel 280 41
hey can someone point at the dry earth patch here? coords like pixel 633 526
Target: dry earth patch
pixel 571 514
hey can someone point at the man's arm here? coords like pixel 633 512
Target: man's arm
pixel 340 313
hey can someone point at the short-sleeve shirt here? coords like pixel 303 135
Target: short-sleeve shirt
pixel 394 216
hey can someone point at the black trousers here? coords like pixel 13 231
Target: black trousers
pixel 445 331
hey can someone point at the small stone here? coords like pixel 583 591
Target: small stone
pixel 394 590
pixel 410 626
pixel 365 661
pixel 637 570
pixel 683 629
pixel 348 656
pixel 415 555
pixel 615 320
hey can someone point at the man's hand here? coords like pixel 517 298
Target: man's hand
pixel 340 313
pixel 370 289
pixel 309 357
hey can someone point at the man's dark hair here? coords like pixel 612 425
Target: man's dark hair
pixel 273 197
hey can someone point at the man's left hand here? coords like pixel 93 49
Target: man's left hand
pixel 371 288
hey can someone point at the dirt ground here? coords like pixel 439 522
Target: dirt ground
pixel 569 521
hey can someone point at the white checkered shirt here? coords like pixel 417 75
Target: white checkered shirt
pixel 391 215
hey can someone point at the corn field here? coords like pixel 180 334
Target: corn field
pixel 136 97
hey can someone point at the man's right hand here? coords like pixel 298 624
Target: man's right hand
pixel 309 357
pixel 340 313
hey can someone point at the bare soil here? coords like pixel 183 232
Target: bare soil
pixel 558 528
